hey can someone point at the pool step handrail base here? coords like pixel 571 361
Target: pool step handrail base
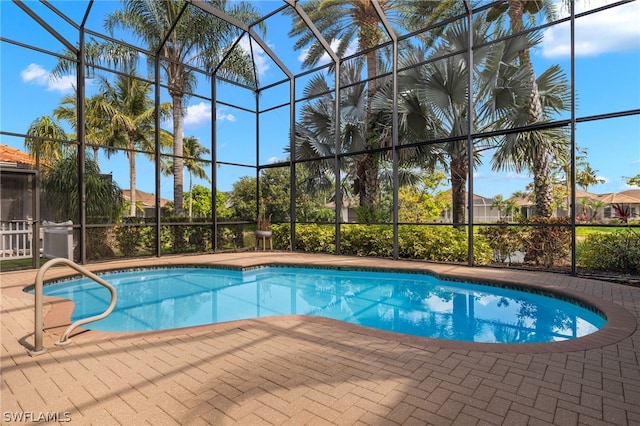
pixel 39 326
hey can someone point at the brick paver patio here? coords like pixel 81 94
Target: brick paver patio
pixel 300 370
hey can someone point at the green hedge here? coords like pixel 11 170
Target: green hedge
pixel 440 244
pixel 615 252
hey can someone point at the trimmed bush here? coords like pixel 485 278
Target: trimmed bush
pixel 611 252
pixel 129 238
pixel 440 244
pixel 549 244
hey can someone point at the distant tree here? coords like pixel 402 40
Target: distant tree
pixel 193 162
pixel 198 40
pixel 47 136
pixel 344 22
pixel 275 192
pixel 202 203
pixel 534 149
pixel 587 176
pixel 60 188
pixel 274 197
pixel 424 201
pixel 96 124
pixel 633 181
pixel 243 198
pixel 505 207
pixel 131 123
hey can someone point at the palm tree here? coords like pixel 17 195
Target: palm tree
pixel 61 198
pixel 539 146
pixel 198 40
pixel 537 150
pixel 97 112
pixel 47 136
pixel 586 176
pixel 131 122
pixel 632 180
pixel 314 137
pixel 342 22
pixel 60 188
pixel 433 98
pixel 314 132
pixel 193 153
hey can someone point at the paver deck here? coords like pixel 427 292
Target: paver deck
pixel 298 370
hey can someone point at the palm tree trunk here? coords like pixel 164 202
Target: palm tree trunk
pixel 458 188
pixel 132 182
pixel 540 163
pixel 542 185
pixel 95 154
pixel 178 163
pixel 368 176
pixel 190 196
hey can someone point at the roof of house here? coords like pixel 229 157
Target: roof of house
pixel 147 200
pixel 620 198
pixel 630 196
pixel 13 156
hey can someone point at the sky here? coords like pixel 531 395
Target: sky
pixel 607 76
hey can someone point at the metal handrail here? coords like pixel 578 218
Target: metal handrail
pixel 39 326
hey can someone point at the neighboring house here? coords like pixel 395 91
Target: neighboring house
pixel 12 157
pixel 590 206
pixel 483 211
pixel 146 200
pixel 629 198
pixel 348 212
pixel 17 184
pixel 17 202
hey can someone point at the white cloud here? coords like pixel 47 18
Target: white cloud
pixel 260 57
pixel 222 116
pixel 272 160
pixel 325 58
pixel 36 74
pixel 200 114
pixel 611 30
pixel 197 114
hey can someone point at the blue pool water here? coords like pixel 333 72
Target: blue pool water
pixel 416 304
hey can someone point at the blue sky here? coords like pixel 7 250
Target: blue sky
pixel 607 80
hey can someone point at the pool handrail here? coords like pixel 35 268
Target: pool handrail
pixel 39 323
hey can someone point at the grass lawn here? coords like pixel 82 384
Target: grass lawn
pixel 583 231
pixel 10 264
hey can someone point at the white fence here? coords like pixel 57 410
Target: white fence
pixel 16 239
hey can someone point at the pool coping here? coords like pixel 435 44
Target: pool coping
pixel 620 322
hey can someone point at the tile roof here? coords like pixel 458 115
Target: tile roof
pixel 12 155
pixel 147 200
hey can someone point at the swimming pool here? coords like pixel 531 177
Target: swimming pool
pixel 408 303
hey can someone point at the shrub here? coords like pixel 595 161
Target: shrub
pixel 280 236
pixel 316 238
pixel 611 252
pixel 129 238
pixel 442 244
pixel 200 237
pixel 504 241
pixel 178 236
pixel 367 240
pixel 547 244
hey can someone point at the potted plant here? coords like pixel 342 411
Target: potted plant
pixel 263 224
pixel 263 229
